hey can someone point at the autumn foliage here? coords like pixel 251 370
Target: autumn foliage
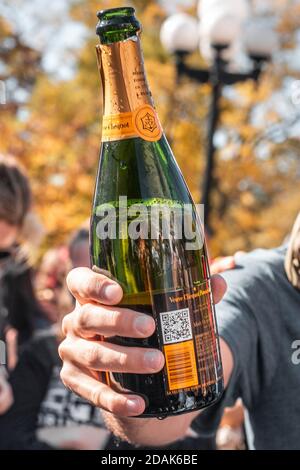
pixel 56 132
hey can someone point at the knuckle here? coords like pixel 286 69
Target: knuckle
pixel 83 317
pixel 66 349
pixel 95 396
pixel 65 376
pixel 62 350
pixel 116 319
pixel 92 287
pixel 68 279
pixel 66 324
pixel 122 360
pixel 91 355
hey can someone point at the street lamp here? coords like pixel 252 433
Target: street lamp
pixel 178 27
pixel 224 26
pixel 252 39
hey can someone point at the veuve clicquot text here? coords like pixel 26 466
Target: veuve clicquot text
pixel 146 233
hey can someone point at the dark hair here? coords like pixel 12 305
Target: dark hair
pixel 15 192
pixel 81 235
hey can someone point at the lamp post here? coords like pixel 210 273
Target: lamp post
pixel 225 26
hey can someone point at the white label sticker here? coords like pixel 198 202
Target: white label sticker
pixel 176 326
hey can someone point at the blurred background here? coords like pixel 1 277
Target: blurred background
pixel 225 75
pixel 50 112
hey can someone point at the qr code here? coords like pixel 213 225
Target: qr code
pixel 176 326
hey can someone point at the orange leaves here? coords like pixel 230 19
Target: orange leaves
pixel 255 199
pixel 85 184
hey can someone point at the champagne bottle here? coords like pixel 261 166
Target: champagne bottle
pixel 162 273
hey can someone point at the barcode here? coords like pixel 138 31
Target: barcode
pixel 181 365
pixel 176 326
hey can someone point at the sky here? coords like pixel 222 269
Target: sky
pixel 60 36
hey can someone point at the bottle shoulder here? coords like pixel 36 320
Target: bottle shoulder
pixel 140 170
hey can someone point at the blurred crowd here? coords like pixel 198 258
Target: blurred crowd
pixel 36 410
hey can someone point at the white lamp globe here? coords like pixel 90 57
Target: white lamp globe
pixel 260 39
pixel 180 32
pixel 225 29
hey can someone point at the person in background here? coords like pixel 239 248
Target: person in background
pixel 79 247
pixel 19 311
pixel 50 283
pixel 230 435
pixel 45 415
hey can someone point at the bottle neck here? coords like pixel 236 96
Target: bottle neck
pixel 124 81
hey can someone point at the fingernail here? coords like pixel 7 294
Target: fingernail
pixel 143 324
pixel 133 405
pixel 110 292
pixel 153 360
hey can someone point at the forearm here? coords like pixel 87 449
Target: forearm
pixel 149 432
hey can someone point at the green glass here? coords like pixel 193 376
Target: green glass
pixel 152 272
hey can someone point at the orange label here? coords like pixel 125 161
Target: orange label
pixel 117 126
pixel 181 365
pixel 147 124
pixel 143 123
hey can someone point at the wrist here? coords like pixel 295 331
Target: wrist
pixel 126 429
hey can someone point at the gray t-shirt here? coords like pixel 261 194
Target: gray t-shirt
pixel 259 318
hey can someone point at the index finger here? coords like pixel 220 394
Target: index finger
pixel 86 286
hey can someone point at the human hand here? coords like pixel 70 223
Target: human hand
pixel 97 314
